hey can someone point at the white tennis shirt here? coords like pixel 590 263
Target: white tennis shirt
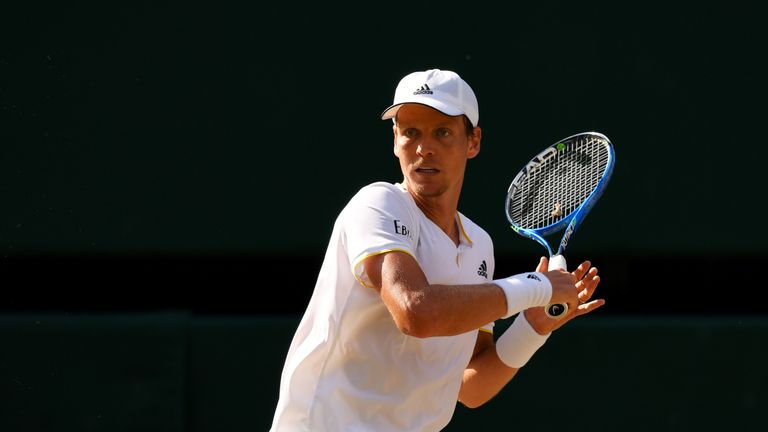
pixel 349 368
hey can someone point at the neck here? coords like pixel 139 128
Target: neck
pixel 441 210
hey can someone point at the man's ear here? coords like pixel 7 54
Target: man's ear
pixel 394 139
pixel 474 143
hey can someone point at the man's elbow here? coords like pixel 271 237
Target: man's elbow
pixel 416 321
pixel 413 326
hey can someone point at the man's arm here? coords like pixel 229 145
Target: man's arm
pixel 485 375
pixel 423 310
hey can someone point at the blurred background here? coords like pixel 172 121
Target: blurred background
pixel 170 173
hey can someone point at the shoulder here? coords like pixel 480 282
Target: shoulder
pixel 380 194
pixel 381 206
pixel 380 189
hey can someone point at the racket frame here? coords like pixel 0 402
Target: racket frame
pixel 574 218
pixel 570 221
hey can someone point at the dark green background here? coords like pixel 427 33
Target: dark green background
pixel 194 128
pixel 160 162
pixel 175 372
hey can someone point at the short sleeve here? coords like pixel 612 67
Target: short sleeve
pixel 378 219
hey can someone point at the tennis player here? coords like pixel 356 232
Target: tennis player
pixel 400 324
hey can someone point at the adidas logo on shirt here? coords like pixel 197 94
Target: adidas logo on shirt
pixel 534 277
pixel 423 90
pixel 483 270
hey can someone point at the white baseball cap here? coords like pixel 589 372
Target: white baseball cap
pixel 442 90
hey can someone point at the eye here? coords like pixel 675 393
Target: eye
pixel 443 132
pixel 410 133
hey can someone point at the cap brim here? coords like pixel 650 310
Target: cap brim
pixel 391 111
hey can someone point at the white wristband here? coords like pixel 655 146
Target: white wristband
pixel 524 291
pixel 518 344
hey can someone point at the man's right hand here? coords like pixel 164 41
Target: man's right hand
pixel 563 284
pixel 583 281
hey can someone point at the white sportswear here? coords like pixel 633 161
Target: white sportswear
pixel 349 368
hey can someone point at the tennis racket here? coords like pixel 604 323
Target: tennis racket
pixel 556 190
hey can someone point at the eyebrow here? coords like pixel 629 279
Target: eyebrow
pixel 448 125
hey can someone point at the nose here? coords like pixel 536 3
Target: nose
pixel 426 147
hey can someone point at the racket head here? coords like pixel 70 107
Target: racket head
pixel 559 186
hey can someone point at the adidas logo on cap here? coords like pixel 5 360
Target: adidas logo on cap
pixel 423 90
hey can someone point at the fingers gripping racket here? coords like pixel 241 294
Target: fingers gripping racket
pixel 556 190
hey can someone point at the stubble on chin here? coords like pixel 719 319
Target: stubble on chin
pixel 425 191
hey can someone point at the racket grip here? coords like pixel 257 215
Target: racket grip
pixel 557 310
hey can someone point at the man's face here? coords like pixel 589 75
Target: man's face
pixel 433 149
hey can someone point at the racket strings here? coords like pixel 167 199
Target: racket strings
pixel 562 181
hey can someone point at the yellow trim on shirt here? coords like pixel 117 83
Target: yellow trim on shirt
pixel 365 257
pixel 461 227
